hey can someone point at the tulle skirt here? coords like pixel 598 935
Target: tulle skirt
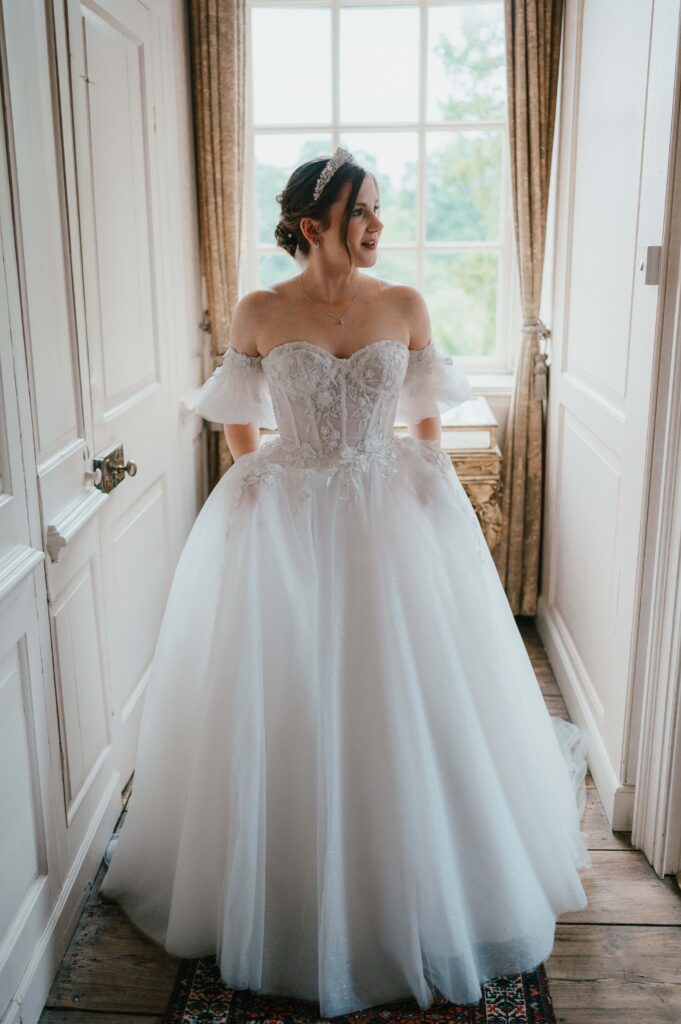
pixel 348 786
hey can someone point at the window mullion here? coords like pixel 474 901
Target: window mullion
pixel 421 169
pixel 335 74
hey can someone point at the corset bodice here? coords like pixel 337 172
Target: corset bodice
pixel 332 408
pixel 327 403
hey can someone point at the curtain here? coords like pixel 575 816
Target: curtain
pixel 218 44
pixel 533 40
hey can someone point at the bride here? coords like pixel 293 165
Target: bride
pixel 331 301
pixel 348 787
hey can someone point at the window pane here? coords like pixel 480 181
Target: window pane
pixel 396 266
pixel 276 156
pixel 379 50
pixel 466 63
pixel 291 48
pixel 463 186
pixel 275 267
pixel 393 158
pixel 461 293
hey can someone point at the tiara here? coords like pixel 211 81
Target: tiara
pixel 341 156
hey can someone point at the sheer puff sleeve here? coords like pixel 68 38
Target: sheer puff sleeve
pixel 431 385
pixel 237 392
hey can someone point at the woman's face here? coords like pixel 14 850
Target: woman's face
pixel 364 227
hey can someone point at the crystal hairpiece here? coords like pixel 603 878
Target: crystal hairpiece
pixel 341 156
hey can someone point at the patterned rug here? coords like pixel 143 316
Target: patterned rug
pixel 201 997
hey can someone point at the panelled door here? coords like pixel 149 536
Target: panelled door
pixel 100 305
pixel 120 241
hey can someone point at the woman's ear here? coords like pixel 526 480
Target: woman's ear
pixel 310 229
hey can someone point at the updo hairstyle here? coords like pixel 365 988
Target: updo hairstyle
pixel 297 202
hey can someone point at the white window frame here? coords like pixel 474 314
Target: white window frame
pixel 493 373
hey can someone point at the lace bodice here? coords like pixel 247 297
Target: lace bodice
pixel 336 417
pixel 328 405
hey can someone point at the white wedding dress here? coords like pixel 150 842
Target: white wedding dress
pixel 348 787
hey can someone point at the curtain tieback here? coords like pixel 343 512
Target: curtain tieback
pixel 540 382
pixel 540 368
pixel 537 326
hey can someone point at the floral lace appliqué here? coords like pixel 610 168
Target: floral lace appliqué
pixel 336 417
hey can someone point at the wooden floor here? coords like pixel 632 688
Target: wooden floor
pixel 618 960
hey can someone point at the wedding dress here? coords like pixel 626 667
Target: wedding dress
pixel 348 786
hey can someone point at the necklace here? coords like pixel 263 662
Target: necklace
pixel 334 316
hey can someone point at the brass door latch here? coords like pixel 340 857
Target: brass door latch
pixel 110 469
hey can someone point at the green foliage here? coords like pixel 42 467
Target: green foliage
pixel 464 188
pixel 475 69
pixel 461 291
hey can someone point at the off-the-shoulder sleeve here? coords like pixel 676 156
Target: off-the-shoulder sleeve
pixel 237 392
pixel 431 385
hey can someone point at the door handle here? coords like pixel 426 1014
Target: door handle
pixel 112 468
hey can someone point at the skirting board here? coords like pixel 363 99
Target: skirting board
pixel 617 797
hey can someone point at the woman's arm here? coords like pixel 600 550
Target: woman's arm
pixel 248 313
pixel 242 438
pixel 418 318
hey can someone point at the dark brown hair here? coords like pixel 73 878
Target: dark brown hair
pixel 297 202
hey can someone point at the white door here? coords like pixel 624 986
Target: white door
pixel 28 847
pixel 99 340
pixel 119 216
pixel 614 139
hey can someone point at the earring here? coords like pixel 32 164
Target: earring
pixel 316 242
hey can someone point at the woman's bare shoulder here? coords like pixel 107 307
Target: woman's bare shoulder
pixel 252 314
pixel 410 305
pixel 259 301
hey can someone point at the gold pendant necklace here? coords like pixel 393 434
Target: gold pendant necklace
pixel 334 316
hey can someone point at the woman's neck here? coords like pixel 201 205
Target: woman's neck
pixel 330 286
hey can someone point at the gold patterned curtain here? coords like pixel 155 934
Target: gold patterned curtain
pixel 533 37
pixel 218 34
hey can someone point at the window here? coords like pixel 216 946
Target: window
pixel 417 92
